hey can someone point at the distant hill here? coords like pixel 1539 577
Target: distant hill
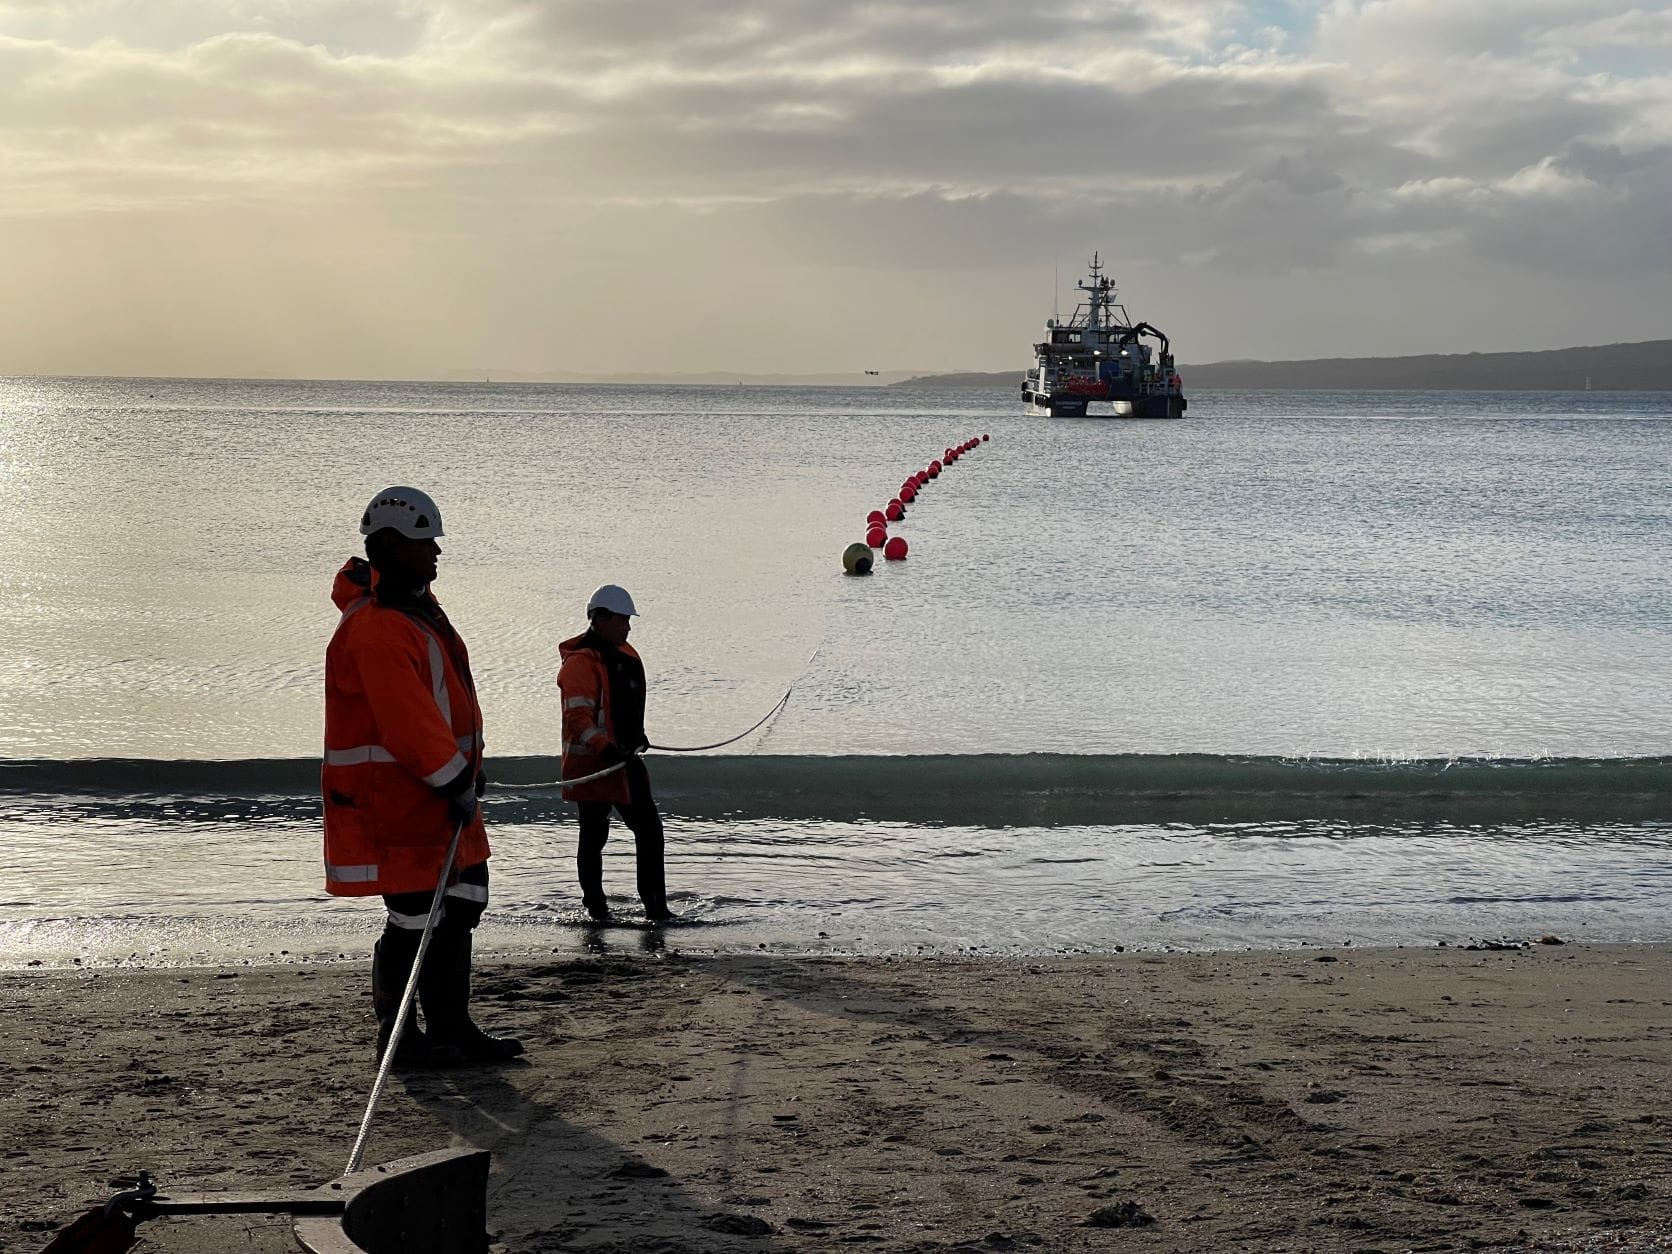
pixel 1609 367
pixel 711 378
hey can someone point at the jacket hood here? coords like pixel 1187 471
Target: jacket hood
pixel 353 581
pixel 581 644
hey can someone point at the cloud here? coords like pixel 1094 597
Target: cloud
pixel 1194 136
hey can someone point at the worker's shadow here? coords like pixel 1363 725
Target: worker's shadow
pixel 582 1185
pixel 578 1184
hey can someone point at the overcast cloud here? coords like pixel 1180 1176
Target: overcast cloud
pixel 406 187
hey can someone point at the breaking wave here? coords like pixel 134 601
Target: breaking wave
pixel 993 790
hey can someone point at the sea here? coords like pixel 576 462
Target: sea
pixel 1305 668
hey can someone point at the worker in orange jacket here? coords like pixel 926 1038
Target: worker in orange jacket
pixel 603 687
pixel 402 773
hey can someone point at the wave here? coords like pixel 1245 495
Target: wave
pixel 983 790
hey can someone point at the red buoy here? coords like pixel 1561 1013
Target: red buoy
pixel 985 436
pixel 934 470
pixel 895 549
pixel 908 492
pixel 922 477
pixel 875 516
pixel 896 511
pixel 876 536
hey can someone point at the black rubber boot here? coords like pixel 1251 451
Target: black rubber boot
pixel 391 968
pixel 444 988
pixel 652 879
pixel 589 867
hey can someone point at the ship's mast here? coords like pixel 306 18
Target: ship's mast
pixel 1100 293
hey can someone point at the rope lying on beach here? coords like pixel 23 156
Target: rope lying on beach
pixel 407 995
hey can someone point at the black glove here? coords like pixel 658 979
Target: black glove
pixel 460 796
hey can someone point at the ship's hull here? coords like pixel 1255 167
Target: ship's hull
pixel 1154 405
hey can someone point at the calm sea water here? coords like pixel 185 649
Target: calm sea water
pixel 1349 575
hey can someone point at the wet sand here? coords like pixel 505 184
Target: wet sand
pixel 1389 1100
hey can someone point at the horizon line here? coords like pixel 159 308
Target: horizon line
pixel 717 378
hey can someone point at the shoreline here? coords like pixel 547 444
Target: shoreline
pixel 344 945
pixel 1334 1099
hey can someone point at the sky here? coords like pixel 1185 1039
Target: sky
pixel 404 188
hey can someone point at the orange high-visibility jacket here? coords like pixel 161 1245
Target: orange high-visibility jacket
pixel 585 685
pixel 401 719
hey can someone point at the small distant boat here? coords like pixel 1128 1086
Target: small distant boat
pixel 1099 354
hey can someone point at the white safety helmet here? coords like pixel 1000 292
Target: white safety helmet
pixel 611 597
pixel 406 510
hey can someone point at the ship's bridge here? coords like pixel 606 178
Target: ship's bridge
pixel 1099 339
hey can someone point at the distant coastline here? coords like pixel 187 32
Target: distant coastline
pixel 1642 366
pixel 1645 366
pixel 706 378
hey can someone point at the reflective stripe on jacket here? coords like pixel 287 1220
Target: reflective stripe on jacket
pixel 584 683
pixel 401 719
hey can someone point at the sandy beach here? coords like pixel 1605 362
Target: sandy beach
pixel 1341 1100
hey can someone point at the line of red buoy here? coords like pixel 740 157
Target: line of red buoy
pixel 857 558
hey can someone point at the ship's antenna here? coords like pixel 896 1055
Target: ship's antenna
pixel 1056 292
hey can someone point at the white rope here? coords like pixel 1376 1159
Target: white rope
pixel 565 783
pixel 386 1064
pixel 407 996
pixel 718 744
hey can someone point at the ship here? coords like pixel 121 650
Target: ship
pixel 1100 356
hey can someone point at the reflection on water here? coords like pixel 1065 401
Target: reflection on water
pixel 129 890
pixel 1282 573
